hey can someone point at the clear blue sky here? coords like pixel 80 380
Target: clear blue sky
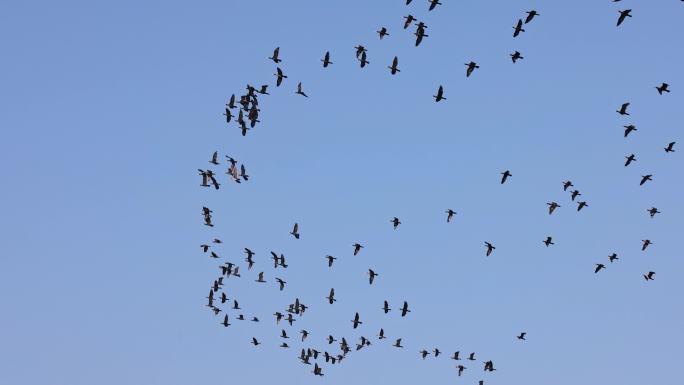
pixel 108 108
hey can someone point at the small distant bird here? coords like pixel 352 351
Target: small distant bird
pixel 385 307
pixel 331 296
pixel 299 90
pixel 281 283
pixel 214 158
pixel 574 195
pixel 225 321
pixel 645 178
pixel 437 352
pixel 405 309
pixel 330 259
pixel 649 276
pixel 295 231
pixel 490 248
pixel 581 205
pixel 261 278
pixel 623 109
pixel 356 321
pixel 393 68
pixel 629 129
pixel 623 14
pixel 357 248
pixel 420 33
pixel 450 215
pixel 461 368
pixel 530 15
pixel 409 19
pixel 455 356
pixel 395 222
pixel 424 353
pixel 433 4
pixel 505 176
pixel 613 257
pixel 255 342
pixel 363 60
pixel 279 74
pixel 663 88
pixel 397 344
pixel 317 370
pixel 646 243
pixel 471 67
pixel 283 334
pixel 567 184
pixel 552 207
pixel 515 56
pixel 359 50
pixel 205 248
pixel 670 147
pixel 599 266
pixel 518 28
pixel 276 52
pixel 371 276
pixel 631 158
pixel 382 32
pixel 243 172
pixel 326 60
pixel 548 241
pixel 653 211
pixel 471 357
pixel 522 336
pixel 440 94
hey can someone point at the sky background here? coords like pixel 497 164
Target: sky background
pixel 107 109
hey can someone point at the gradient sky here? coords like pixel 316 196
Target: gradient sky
pixel 107 109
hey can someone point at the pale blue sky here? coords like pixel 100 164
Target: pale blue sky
pixel 108 108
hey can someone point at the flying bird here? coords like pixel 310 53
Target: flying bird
pixel 653 211
pixel 295 231
pixel 326 60
pixel 405 309
pixel 433 4
pixel 623 109
pixel 382 32
pixel 649 276
pixel 395 222
pixel 623 14
pixel 371 276
pixel 261 278
pixel 567 184
pixel 357 248
pixel 599 266
pixel 552 207
pixel 515 56
pixel 409 19
pixel 450 214
pixel 670 147
pixel 331 296
pixel 505 176
pixel 385 307
pixel 530 15
pixel 663 88
pixel 522 336
pixel 281 283
pixel 299 90
pixel 471 67
pixel 356 321
pixel 275 58
pixel 393 68
pixel 645 178
pixel 279 74
pixel 440 94
pixel 629 129
pixel 581 205
pixel 613 257
pixel 631 158
pixel 548 241
pixel 214 158
pixel 518 28
pixel 397 344
pixel 330 259
pixel 645 244
pixel 490 248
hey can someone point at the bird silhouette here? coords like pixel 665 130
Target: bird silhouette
pixel 330 259
pixel 629 129
pixel 515 56
pixel 613 257
pixel 522 336
pixel 433 4
pixel 518 28
pixel 599 266
pixel 450 215
pixel 275 58
pixel 397 344
pixel 395 222
pixel 530 15
pixel 382 32
pixel 663 88
pixel 623 14
pixel 385 307
pixel 645 178
pixel 299 90
pixel 490 248
pixel 548 241
pixel 649 276
pixel 645 244
pixel 326 60
pixel 409 19
pixel 552 207
pixel 295 231
pixel 357 248
pixel 356 321
pixel 405 309
pixel 440 94
pixel 653 211
pixel 331 296
pixel 623 109
pixel 581 205
pixel 280 76
pixel 567 184
pixel 505 176
pixel 471 67
pixel 371 276
pixel 670 147
pixel 393 68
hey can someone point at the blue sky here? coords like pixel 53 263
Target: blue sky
pixel 107 110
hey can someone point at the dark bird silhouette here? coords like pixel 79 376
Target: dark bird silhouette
pixel 381 335
pixel 433 4
pixel 275 58
pixel 522 336
pixel 405 309
pixel 382 32
pixel 357 248
pixel 471 67
pixel 456 356
pixel 663 88
pixel 299 90
pixel 385 307
pixel 653 211
pixel 205 248
pixel 243 172
pixel 623 109
pixel 567 184
pixel 225 322
pixel 574 195
pixel 330 259
pixel 450 215
pixel 284 345
pixel 214 158
pixel 518 28
pixel 599 266
pixel 397 344
pixel 283 334
pixel 629 129
pixel 548 241
pixel 631 158
pixel 263 90
pixel 295 231
pixel 649 276
pixel 424 353
pixel 505 176
pixel 360 50
pixel 623 14
pixel 530 15
pixel 261 278
pixel 461 368
pixel 552 207
pixel 393 68
pixel 231 102
pixel 281 283
pixel 356 321
pixel 317 370
pixel 645 178
pixel 280 76
pixel 371 276
pixel 395 222
pixel 670 147
pixel 515 56
pixel 437 352
pixel 645 244
pixel 490 248
pixel 331 296
pixel 326 60
pixel 581 205
pixel 420 33
pixel 255 342
pixel 471 357
pixel 228 115
pixel 363 60
pixel 409 19
pixel 440 94
pixel 613 257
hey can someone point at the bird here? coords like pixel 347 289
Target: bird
pixel 409 19
pixel 471 357
pixel 420 33
pixel 433 4
pixel 214 158
pixel 471 67
pixel 645 244
pixel 279 74
pixel 405 309
pixel 548 241
pixel 581 205
pixel 574 195
pixel 653 211
pixel 283 334
pixel 424 353
pixel 552 207
pixel 331 296
pixel 359 50
pixel 371 276
pixel 623 14
pixel 397 344
pixel 326 60
pixel 295 231
pixel 261 278
pixel 663 88
pixel 670 146
pixel 522 336
pixel 281 283
pixel 490 248
pixel 649 276
pixel 613 257
pixel 228 114
pixel 455 356
pixel 382 32
pixel 385 307
pixel 263 89
pixel 317 370
pixel 567 184
pixel 623 109
pixel 450 215
pixel 299 90
pixel 331 339
pixel 225 322
pixel 330 259
pixel 363 60
pixel 599 266
pixel 440 94
pixel 629 129
pixel 381 335
pixel 505 176
pixel 515 56
pixel 205 248
pixel 437 352
pixel 255 342
pixel 530 15
pixel 393 68
pixel 275 58
pixel 461 368
pixel 395 222
pixel 631 158
pixel 357 248
pixel 356 321
pixel 645 178
pixel 518 28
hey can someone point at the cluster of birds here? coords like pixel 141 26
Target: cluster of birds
pixel 247 117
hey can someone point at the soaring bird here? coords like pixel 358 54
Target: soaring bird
pixel 283 334
pixel 331 296
pixel 279 74
pixel 581 205
pixel 214 158
pixel 405 309
pixel 623 109
pixel 363 60
pixel 437 352
pixel 515 56
pixel 359 50
pixel 205 248
pixel 505 176
pixel 518 28
pixel 326 60
pixel 522 336
pixel 599 266
pixel 631 158
pixel 440 94
pixel 530 15
pixel 276 52
pixel 552 207
pixel 371 276
pixel 663 88
pixel 433 4
pixel 548 241
pixel 231 102
pixel 382 32
pixel 393 68
pixel 645 244
pixel 281 283
pixel 450 214
pixel 670 147
pixel 356 321
pixel 455 356
pixel 424 353
pixel 295 231
pixel 649 276
pixel 261 278
pixel 397 344
pixel 255 342
pixel 471 357
pixel 471 67
pixel 409 19
pixel 357 248
pixel 381 335
pixel 461 368
pixel 225 321
pixel 385 307
pixel 574 194
pixel 420 33
pixel 645 178
pixel 490 248
pixel 330 259
pixel 567 184
pixel 623 14
pixel 395 222
pixel 613 257
pixel 629 129
pixel 653 211
pixel 299 90
pixel 228 115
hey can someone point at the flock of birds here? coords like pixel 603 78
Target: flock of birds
pixel 247 116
